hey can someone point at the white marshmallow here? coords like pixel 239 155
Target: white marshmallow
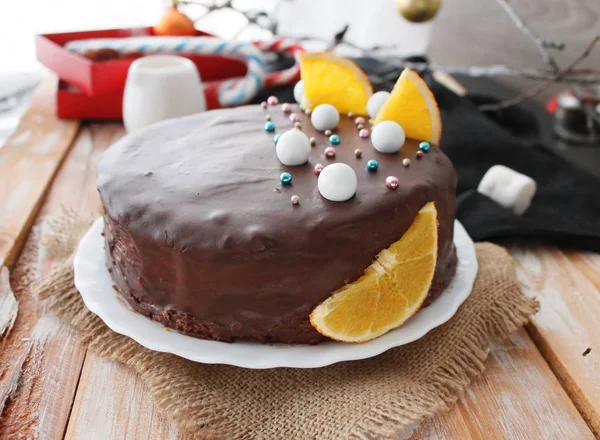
pixel 376 101
pixel 299 91
pixel 293 148
pixel 508 188
pixel 337 182
pixel 388 137
pixel 325 117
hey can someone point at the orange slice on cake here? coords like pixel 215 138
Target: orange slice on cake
pixel 335 80
pixel 413 106
pixel 391 290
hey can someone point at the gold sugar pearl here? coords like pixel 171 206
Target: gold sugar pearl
pixel 351 115
pixel 297 125
pixel 419 154
pixel 268 117
pixel 328 132
pixel 313 141
pixel 360 126
pixel 307 111
pixel 263 104
pixel 406 162
pixel 295 200
pixel 358 153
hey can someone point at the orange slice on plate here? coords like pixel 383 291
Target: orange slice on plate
pixel 391 290
pixel 413 106
pixel 335 80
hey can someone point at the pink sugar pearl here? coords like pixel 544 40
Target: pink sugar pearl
pixel 286 107
pixel 294 117
pixel 360 120
pixel 330 152
pixel 272 100
pixel 364 133
pixel 392 182
pixel 318 168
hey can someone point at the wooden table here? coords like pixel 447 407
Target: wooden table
pixel 541 384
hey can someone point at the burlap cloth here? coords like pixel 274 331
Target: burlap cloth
pixel 372 398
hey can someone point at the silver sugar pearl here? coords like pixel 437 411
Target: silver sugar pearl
pixel 295 200
pixel 406 162
pixel 328 132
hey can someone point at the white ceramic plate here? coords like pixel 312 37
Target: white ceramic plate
pixel 93 281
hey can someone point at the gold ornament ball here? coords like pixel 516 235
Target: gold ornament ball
pixel 418 11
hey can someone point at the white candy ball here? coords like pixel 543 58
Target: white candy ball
pixel 337 182
pixel 293 148
pixel 376 101
pixel 325 117
pixel 299 91
pixel 388 137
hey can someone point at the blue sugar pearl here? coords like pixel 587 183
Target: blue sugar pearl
pixel 372 165
pixel 425 146
pixel 276 138
pixel 285 178
pixel 334 139
pixel 269 126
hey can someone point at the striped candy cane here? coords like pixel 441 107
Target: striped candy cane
pixel 282 45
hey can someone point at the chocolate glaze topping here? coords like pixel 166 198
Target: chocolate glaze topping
pixel 202 236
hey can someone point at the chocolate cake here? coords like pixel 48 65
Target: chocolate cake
pixel 203 237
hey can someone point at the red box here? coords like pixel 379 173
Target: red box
pixel 71 103
pixel 108 77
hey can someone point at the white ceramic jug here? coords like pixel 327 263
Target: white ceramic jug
pixel 161 87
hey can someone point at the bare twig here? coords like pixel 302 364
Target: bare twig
pixel 543 86
pixel 344 42
pixel 337 39
pixel 254 18
pixel 576 77
pixel 541 44
pixel 556 45
pixel 586 71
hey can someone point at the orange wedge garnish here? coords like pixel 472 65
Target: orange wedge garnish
pixel 413 106
pixel 391 290
pixel 335 80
